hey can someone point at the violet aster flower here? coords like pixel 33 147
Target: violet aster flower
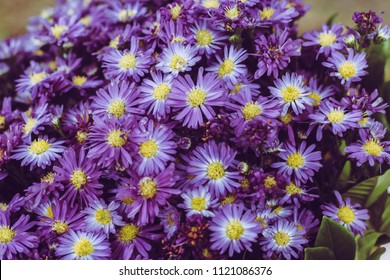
pixel 14 238
pixel 366 23
pixel 348 69
pixel 296 194
pixel 195 100
pixel 39 152
pixel 300 163
pixel 170 220
pixel 198 201
pixel 80 245
pixel 319 92
pixel 348 214
pixel 35 120
pixel 369 149
pixel 13 205
pixel 275 13
pixel 35 76
pixel 233 229
pixel 124 12
pixel 283 239
pixel 291 92
pixel 305 220
pixel 174 32
pixel 213 165
pixel 128 63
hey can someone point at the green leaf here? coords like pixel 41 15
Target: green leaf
pixel 361 191
pixel 381 186
pixel 346 172
pixel 337 238
pixel 318 253
pixel 385 227
pixel 366 243
pixel 376 255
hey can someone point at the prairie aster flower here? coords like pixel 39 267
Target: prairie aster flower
pixel 198 201
pixel 369 149
pixel 207 40
pixel 170 219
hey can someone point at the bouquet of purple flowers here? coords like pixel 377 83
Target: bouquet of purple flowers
pixel 196 129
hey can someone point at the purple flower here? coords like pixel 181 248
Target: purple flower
pixel 198 201
pixel 366 23
pixel 371 150
pixel 170 219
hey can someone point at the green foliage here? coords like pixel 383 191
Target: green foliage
pixel 318 253
pixel 366 244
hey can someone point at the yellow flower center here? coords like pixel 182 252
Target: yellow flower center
pixel 81 136
pixel 49 212
pixel 363 121
pixel 60 227
pixel 128 233
pixel 39 147
pixel 117 108
pixel 128 200
pixel 176 11
pixel 250 110
pixel 234 230
pixel 290 94
pixel 148 187
pixel 3 206
pixel 196 97
pixel 35 78
pixel 83 247
pixel 148 149
pixel 177 63
pixel 335 116
pixel 6 235
pixel 326 38
pixel 203 37
pixel 286 119
pixel 78 178
pixel 114 43
pixel 244 183
pixel 124 14
pixel 29 125
pixel 86 20
pixel 347 70
pixel 346 214
pixel 270 182
pixel 237 88
pixel 266 13
pixel 79 80
pixel 170 221
pixel 128 61
pixel 161 91
pixel 57 30
pixel 293 189
pixel 226 68
pixel 2 122
pixel 277 210
pixel 228 199
pixel 103 216
pixel 210 4
pixel 281 239
pixel 215 171
pixel 232 12
pixel 316 98
pixel 295 160
pixel 198 203
pixel 116 138
pixel 261 220
pixel 178 39
pixel 372 147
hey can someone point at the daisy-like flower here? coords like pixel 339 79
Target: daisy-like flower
pixel 39 152
pixel 329 39
pixel 347 69
pixel 35 119
pixel 283 239
pixel 35 76
pixel 170 219
pixel 231 68
pixel 318 92
pixel 213 166
pixel 117 101
pixel 233 229
pixel 198 201
pixel 207 40
pixel 300 163
pixel 195 100
pixel 100 217
pixel 348 214
pixel 156 150
pixel 125 12
pixel 296 194
pixel 177 58
pixel 369 149
pixel 80 174
pixel 337 119
pixel 305 220
pixel 291 92
pixel 121 65
pixel 80 245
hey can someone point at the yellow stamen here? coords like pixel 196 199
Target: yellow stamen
pixel 266 13
pixel 198 203
pixel 203 37
pixel 196 97
pixel 83 247
pixel 234 230
pixel 48 178
pixel 326 38
pixel 49 212
pixel 177 63
pixel 290 94
pixel 286 119
pixel 36 78
pixel 60 227
pixel 215 171
pixel 78 178
pixel 128 233
pixel 39 147
pixel 316 98
pixel 250 110
pixel 232 12
pixel 175 11
pixel 346 214
pixel 270 182
pixel 148 187
pixel 79 80
pixel 335 116
pixel 148 149
pixel 281 239
pixel 293 189
pixel 161 91
pixel 210 4
pixel 372 147
pixel 226 68
pixel 6 235
pixel 29 125
pixel 348 70
pixel 128 61
pixel 117 108
pixel 103 216
pixel 57 30
pixel 295 160
pixel 116 138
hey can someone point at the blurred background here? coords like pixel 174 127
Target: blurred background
pixel 15 13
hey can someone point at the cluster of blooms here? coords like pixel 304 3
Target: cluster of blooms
pixel 180 129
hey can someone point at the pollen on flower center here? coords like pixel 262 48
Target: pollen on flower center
pixel 78 178
pixel 293 189
pixel 372 147
pixel 290 94
pixel 198 203
pixel 281 238
pixel 3 206
pixel 103 216
pixel 2 122
pixel 35 78
pixel 128 200
pixel 326 38
pixel 196 97
pixel 60 227
pixel 295 160
pixel 148 187
pixel 232 12
pixel 128 61
pixel 57 30
pixel 346 214
pixel 6 235
pixel 266 13
pixel 250 110
pixel 161 91
pixel 270 182
pixel 128 233
pixel 237 88
pixel 287 118
pixel 116 138
pixel 117 108
pixel 175 11
pixel 29 125
pixel 177 63
pixel 226 68
pixel 335 116
pixel 204 37
pixel 170 220
pixel 39 147
pixel 215 171
pixel 347 70
pixel 48 178
pixel 79 80
pixel 114 42
pixel 316 98
pixel 148 149
pixel 83 247
pixel 123 14
pixel 210 4
pixel 234 230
